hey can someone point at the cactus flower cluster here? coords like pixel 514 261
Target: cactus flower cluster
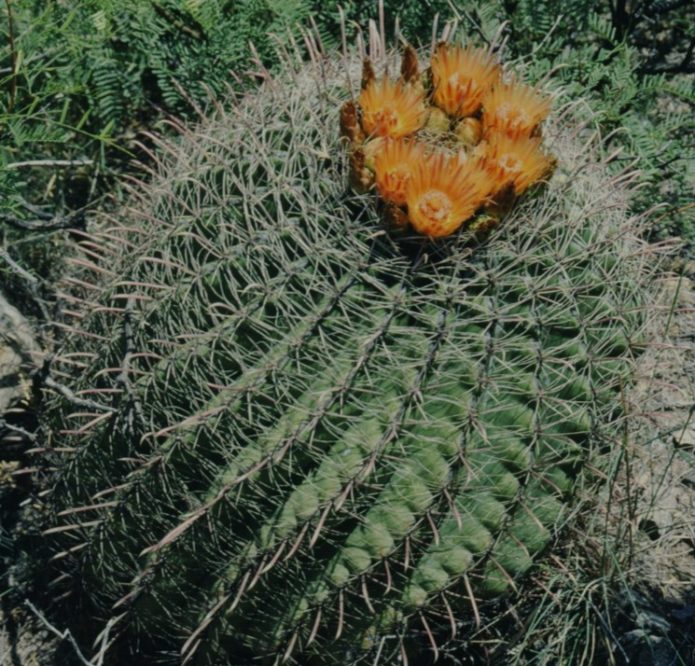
pixel 449 147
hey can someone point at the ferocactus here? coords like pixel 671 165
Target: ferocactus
pixel 287 439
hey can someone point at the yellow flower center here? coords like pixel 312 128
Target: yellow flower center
pixel 461 83
pixel 503 111
pixel 513 115
pixel 510 164
pixel 435 206
pixel 462 88
pixel 454 80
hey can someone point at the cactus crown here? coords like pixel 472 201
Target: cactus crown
pixel 446 144
pixel 314 445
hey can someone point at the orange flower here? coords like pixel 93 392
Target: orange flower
pixel 391 109
pixel 395 164
pixel 520 162
pixel 513 109
pixel 461 77
pixel 443 194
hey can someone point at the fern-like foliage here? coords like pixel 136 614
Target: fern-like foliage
pixel 86 78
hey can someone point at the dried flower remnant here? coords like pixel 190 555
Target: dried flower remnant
pixel 443 194
pixel 368 73
pixel 391 109
pixel 461 77
pixel 395 216
pixel 361 177
pixel 514 109
pixel 410 70
pixel 349 123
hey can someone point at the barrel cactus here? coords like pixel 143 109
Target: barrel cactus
pixel 283 434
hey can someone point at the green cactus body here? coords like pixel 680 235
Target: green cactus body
pixel 321 436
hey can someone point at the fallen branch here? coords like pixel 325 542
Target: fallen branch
pixel 55 224
pixel 70 396
pixel 17 430
pixel 33 284
pixel 49 163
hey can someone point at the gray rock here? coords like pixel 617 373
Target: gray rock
pixel 19 353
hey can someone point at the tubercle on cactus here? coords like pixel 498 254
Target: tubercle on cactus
pixel 366 595
pixel 342 445
pixel 468 100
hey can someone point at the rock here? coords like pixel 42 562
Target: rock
pixel 684 614
pixel 26 641
pixel 685 438
pixel 19 353
pixel 653 622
